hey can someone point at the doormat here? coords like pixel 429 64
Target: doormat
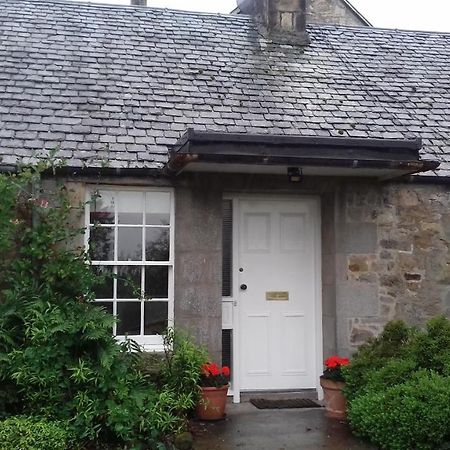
pixel 263 403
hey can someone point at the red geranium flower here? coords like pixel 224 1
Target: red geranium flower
pixel 212 375
pixel 333 368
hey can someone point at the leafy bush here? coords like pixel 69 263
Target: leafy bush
pixel 395 371
pixel 375 354
pixel 180 373
pixel 431 348
pixel 27 433
pixel 58 358
pixel 183 359
pixel 398 387
pixel 414 415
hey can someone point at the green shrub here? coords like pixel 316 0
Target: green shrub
pixel 58 358
pixel 431 348
pixel 149 364
pixel 183 359
pixel 27 433
pixel 395 371
pixel 180 376
pixel 411 416
pixel 398 387
pixel 391 344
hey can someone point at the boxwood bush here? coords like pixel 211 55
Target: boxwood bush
pixel 391 345
pixel 398 387
pixel 414 415
pixel 28 433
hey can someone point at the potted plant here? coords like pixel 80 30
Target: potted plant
pixel 332 382
pixel 214 383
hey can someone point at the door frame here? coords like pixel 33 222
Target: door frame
pixel 236 199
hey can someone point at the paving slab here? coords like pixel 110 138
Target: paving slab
pixel 249 428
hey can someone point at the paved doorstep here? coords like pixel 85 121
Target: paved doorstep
pixel 247 427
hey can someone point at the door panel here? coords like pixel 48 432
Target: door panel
pixel 294 356
pixel 257 234
pixel 257 336
pixel 277 251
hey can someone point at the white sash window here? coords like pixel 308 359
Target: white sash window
pixel 130 241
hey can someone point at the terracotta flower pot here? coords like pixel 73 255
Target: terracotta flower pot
pixel 212 402
pixel 335 401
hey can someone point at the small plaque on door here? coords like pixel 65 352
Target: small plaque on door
pixel 277 296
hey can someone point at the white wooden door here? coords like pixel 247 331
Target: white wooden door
pixel 277 265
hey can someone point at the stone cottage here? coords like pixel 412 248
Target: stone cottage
pixel 275 180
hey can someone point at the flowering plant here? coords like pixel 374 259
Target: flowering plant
pixel 333 368
pixel 214 376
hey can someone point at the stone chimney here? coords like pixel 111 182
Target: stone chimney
pixel 283 20
pixel 138 2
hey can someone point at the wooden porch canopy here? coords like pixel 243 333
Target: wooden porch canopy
pixel 272 154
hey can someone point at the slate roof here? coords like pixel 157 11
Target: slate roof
pixel 124 83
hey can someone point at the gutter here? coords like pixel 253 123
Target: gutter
pixel 179 162
pixel 94 171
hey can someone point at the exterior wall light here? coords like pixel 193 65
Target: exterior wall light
pixel 295 174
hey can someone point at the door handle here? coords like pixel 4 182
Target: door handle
pixel 243 287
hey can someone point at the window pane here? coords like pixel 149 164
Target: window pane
pixel 107 306
pixel 156 244
pixel 155 317
pixel 129 315
pixel 156 282
pixel 105 283
pixel 129 244
pixel 157 208
pixel 102 207
pixel 101 243
pixel 130 207
pixel 128 282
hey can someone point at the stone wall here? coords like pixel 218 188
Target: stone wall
pixel 333 11
pixel 393 257
pixel 198 261
pixel 385 251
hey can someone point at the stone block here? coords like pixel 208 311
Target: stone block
pixel 329 336
pixel 359 238
pixel 358 264
pixel 341 267
pixel 357 299
pixel 328 269
pixel 363 330
pixel 446 304
pixel 329 300
pixel 198 219
pixel 408 198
